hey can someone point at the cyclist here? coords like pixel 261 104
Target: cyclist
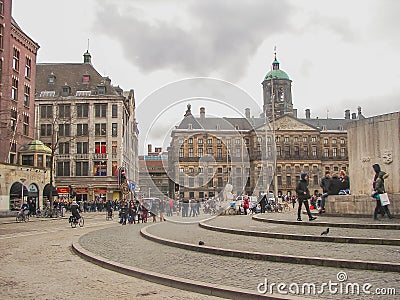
pixel 75 210
pixel 24 210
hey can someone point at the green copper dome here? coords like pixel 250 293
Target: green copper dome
pixel 35 146
pixel 276 74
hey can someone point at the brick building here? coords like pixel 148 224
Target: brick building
pixel 17 77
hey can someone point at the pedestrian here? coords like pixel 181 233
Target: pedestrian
pixel 379 188
pixel 123 213
pixel 162 210
pixel 303 194
pixel 263 203
pixel 246 204
pixel 325 183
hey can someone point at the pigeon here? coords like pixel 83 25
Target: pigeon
pixel 325 232
pixel 201 243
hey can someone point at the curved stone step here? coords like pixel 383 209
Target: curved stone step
pixel 275 257
pixel 316 238
pixel 173 281
pixel 123 245
pixel 318 222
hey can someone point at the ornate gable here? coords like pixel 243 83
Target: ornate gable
pixel 290 123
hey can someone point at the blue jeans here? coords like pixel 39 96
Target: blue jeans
pixel 323 199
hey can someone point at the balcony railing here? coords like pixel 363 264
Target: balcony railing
pixel 100 156
pixel 82 156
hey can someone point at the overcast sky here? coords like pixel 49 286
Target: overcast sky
pixel 339 54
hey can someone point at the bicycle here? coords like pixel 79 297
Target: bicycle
pixel 74 222
pixel 22 216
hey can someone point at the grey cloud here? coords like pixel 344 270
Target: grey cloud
pixel 337 25
pixel 224 35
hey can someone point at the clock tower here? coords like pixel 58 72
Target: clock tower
pixel 277 91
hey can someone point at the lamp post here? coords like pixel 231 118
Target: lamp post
pixel 22 189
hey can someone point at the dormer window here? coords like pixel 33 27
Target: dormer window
pixel 86 78
pixel 101 90
pixel 51 79
pixel 66 90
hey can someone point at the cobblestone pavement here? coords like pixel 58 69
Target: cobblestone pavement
pixel 242 273
pixel 36 263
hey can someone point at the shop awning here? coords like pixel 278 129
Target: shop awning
pixel 49 188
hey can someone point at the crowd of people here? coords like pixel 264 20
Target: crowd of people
pixel 139 211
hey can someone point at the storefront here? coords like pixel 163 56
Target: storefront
pixel 81 194
pixel 63 194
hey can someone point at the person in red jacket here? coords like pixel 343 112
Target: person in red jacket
pixel 246 204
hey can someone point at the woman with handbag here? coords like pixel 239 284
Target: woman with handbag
pixel 379 189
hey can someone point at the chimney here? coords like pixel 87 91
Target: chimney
pixel 247 113
pixel 359 110
pixel 308 114
pixel 202 113
pixel 354 116
pixel 149 149
pixel 347 114
pixel 295 113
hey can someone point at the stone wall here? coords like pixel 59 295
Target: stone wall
pixel 374 140
pixel 359 205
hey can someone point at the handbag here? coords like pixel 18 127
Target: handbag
pixel 384 198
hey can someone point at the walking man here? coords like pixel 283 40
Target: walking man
pixel 303 194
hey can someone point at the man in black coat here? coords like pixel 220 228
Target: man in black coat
pixel 303 194
pixel 325 183
pixel 335 185
pixel 263 202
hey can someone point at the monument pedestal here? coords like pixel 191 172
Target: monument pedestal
pixel 359 205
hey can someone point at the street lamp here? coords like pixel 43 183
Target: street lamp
pixel 22 189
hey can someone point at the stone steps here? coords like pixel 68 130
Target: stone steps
pixel 233 265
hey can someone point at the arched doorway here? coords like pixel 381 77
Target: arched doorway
pixel 16 195
pixel 33 198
